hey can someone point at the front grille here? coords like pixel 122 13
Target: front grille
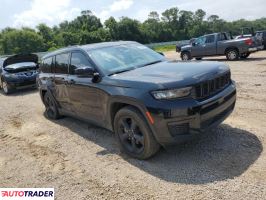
pixel 26 83
pixel 207 88
pixel 178 129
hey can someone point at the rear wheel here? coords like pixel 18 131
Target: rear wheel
pixel 232 54
pixel 244 55
pixel 186 56
pixel 133 134
pixel 51 109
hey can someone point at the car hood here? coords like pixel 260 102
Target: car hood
pixel 20 58
pixel 169 74
pixel 186 47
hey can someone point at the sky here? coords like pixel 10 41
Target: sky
pixel 18 13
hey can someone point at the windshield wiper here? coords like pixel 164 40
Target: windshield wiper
pixel 151 63
pixel 121 71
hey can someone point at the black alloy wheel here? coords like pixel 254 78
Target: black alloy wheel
pixel 51 107
pixel 133 133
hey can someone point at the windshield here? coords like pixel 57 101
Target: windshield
pixel 124 57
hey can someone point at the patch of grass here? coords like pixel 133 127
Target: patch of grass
pixel 164 48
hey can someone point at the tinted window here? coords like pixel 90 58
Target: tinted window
pixel 210 39
pixel 46 65
pixel 222 37
pixel 78 60
pixel 61 63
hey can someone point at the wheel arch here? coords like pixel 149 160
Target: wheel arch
pixel 188 52
pixel 231 48
pixel 117 103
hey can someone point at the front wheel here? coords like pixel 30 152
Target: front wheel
pixel 232 54
pixel 244 55
pixel 186 56
pixel 6 87
pixel 133 134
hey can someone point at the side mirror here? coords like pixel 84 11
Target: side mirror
pixel 84 71
pixel 161 53
pixel 193 44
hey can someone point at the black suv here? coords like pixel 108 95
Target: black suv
pixel 134 91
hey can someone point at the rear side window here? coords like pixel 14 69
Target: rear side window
pixel 78 60
pixel 222 37
pixel 46 66
pixel 61 63
pixel 210 39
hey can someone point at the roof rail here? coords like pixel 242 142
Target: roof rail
pixel 68 47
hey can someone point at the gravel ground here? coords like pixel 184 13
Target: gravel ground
pixel 82 161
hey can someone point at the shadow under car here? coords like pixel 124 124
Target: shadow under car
pixel 223 153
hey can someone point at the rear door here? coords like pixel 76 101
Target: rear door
pixel 46 75
pixel 221 43
pixel 60 80
pixel 87 99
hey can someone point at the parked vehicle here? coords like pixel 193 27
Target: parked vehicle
pixel 134 91
pixel 262 35
pixel 18 71
pixel 217 44
pixel 248 32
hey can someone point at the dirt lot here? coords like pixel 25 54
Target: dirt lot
pixel 82 161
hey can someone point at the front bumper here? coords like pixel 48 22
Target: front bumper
pixel 23 83
pixel 187 123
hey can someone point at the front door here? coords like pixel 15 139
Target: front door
pixel 87 99
pixel 198 47
pixel 210 45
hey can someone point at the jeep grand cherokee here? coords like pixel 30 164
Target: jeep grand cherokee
pixel 130 89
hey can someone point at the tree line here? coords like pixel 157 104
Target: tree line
pixel 172 25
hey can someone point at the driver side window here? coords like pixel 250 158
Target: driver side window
pixel 78 60
pixel 201 40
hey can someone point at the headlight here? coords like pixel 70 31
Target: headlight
pixel 172 94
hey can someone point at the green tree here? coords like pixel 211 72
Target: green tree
pixel 47 35
pixel 21 41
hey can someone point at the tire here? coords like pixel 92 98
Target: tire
pixel 186 56
pixel 232 54
pixel 7 89
pixel 198 58
pixel 133 134
pixel 244 55
pixel 51 110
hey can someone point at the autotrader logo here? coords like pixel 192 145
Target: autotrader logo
pixel 27 193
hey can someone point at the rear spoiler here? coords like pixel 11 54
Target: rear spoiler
pixel 20 58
